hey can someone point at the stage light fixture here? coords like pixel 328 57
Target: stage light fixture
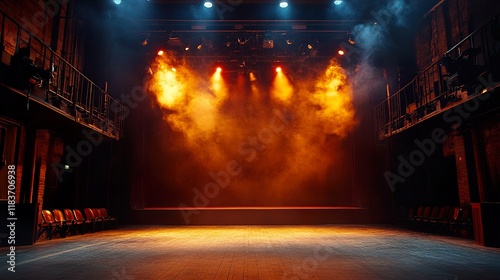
pixel 208 4
pixel 218 69
pixel 161 52
pixel 268 44
pixel 341 52
pixel 252 77
pixel 242 41
pixel 278 69
pixel 337 2
pixel 186 49
pixel 283 4
pixel 117 2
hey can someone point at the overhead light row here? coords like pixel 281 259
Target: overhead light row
pixel 210 4
pixel 282 4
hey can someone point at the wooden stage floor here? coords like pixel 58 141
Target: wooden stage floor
pixel 255 252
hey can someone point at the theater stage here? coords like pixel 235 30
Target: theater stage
pixel 253 215
pixel 255 252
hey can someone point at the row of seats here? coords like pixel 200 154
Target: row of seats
pixel 69 221
pixel 440 219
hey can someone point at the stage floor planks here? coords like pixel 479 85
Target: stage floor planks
pixel 255 252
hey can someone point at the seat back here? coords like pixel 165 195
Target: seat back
pixel 68 214
pixel 78 215
pixel 97 213
pixel 420 211
pixel 453 214
pixel 58 216
pixel 47 216
pixel 89 214
pixel 435 212
pixel 443 212
pixel 427 212
pixel 104 212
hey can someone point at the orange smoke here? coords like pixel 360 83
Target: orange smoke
pixel 333 96
pixel 282 89
pixel 288 146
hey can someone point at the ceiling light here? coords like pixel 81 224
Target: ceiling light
pixel 268 44
pixel 208 4
pixel 252 77
pixel 283 4
pixel 242 42
pixel 337 2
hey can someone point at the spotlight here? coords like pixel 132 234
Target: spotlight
pixel 218 69
pixel 161 52
pixel 278 69
pixel 117 2
pixel 252 77
pixel 199 47
pixel 283 4
pixel 186 49
pixel 341 52
pixel 174 70
pixel 208 4
pixel 309 46
pixel 337 2
pixel 144 43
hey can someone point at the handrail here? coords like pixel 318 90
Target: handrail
pixel 83 100
pixel 434 89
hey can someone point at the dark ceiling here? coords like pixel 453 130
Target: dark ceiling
pixel 258 30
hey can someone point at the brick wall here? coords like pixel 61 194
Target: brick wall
pixel 443 28
pixel 462 175
pixel 38 18
pixel 42 156
pixel 486 159
pixel 491 151
pixel 20 163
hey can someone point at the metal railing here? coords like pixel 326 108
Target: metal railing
pixel 66 88
pixel 442 85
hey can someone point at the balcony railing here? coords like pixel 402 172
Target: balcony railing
pixel 59 84
pixel 457 77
